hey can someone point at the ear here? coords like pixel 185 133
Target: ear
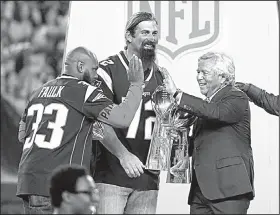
pixel 223 79
pixel 128 36
pixel 80 67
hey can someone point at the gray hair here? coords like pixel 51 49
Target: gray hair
pixel 223 65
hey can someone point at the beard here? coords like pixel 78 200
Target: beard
pixel 87 78
pixel 147 55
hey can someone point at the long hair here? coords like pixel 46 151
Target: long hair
pixel 134 20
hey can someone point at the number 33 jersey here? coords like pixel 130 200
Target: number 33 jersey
pixel 136 138
pixel 59 118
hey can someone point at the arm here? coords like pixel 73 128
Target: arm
pixel 130 163
pixel 121 115
pixel 112 142
pixel 269 102
pixel 230 110
pixel 100 107
pixel 117 115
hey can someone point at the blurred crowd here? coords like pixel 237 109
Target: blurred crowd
pixel 32 45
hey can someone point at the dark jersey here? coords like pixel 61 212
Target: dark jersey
pixel 136 138
pixel 59 118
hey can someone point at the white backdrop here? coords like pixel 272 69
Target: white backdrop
pixel 248 31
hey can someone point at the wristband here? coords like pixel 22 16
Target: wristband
pixel 176 93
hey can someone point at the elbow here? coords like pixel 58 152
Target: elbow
pixel 119 118
pixel 125 123
pixel 121 122
pixel 127 119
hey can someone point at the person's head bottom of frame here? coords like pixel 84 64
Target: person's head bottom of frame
pixel 73 191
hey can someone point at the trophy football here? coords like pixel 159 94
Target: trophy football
pixel 169 143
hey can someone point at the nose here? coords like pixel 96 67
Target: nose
pixel 199 76
pixel 152 37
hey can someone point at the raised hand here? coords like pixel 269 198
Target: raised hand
pixel 167 81
pixel 135 72
pixel 132 165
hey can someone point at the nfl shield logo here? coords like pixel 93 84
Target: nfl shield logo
pixel 184 26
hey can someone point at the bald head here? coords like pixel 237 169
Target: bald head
pixel 79 54
pixel 81 62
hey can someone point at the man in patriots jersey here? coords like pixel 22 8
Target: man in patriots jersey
pixel 125 185
pixel 57 123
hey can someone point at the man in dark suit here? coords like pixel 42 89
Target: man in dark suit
pixel 269 102
pixel 223 172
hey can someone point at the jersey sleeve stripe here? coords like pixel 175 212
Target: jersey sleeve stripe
pixel 150 75
pixel 82 159
pixel 103 74
pixel 74 145
pixel 89 91
pixel 122 60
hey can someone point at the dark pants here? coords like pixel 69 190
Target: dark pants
pixel 37 205
pixel 233 205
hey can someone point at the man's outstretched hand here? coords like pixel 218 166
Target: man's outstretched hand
pixel 242 86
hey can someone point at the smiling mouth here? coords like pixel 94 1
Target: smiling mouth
pixel 201 84
pixel 148 46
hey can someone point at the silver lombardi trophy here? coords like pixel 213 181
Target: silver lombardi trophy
pixel 169 143
pixel 160 147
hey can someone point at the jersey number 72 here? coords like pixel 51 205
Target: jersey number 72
pixel 133 128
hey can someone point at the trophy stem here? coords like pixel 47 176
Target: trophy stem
pixel 180 147
pixel 160 148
